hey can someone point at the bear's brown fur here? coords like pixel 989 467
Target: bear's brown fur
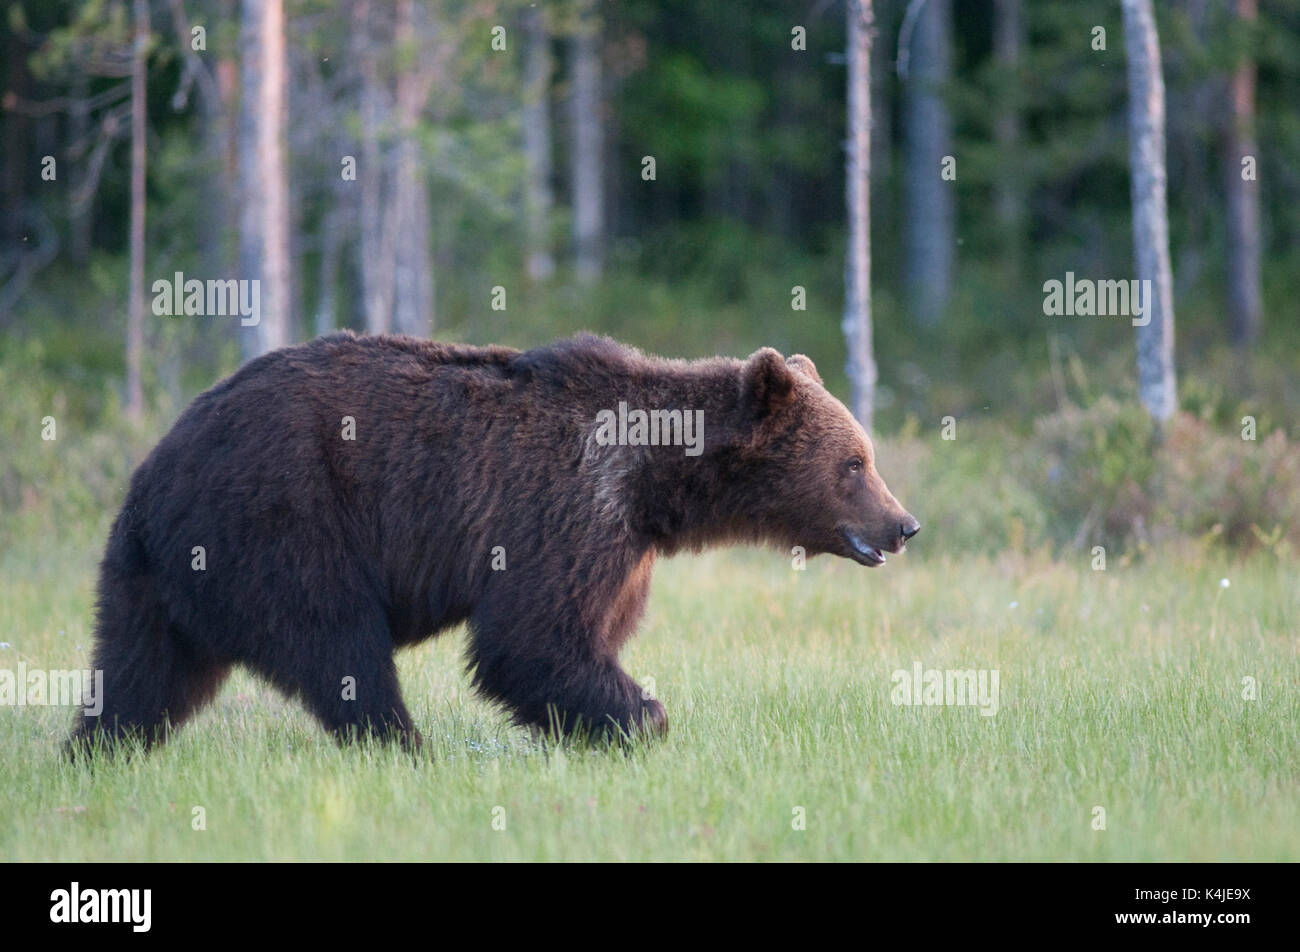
pixel 476 489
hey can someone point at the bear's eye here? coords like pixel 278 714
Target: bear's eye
pixel 855 465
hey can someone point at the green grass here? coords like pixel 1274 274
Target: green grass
pixel 1120 689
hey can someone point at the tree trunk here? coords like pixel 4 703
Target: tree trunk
pixel 882 131
pixel 929 231
pixel 1146 88
pixel 135 314
pixel 376 258
pixel 537 145
pixel 412 267
pixel 1243 197
pixel 408 217
pixel 326 295
pixel 588 148
pixel 1008 39
pixel 1188 106
pixel 275 167
pixel 80 212
pixel 857 265
pixel 264 220
pixel 227 77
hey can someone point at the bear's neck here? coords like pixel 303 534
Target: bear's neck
pixel 692 496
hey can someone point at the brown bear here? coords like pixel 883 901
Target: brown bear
pixel 332 502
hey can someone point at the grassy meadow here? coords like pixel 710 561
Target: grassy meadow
pixel 1120 689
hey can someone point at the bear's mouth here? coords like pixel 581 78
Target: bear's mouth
pixel 860 550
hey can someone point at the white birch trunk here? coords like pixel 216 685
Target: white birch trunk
pixel 135 314
pixel 407 221
pixel 857 265
pixel 264 219
pixel 1243 198
pixel 588 148
pixel 537 145
pixel 1155 338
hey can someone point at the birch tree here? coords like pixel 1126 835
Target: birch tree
pixel 1146 92
pixel 857 265
pixel 587 153
pixel 537 144
pixel 1008 40
pixel 1242 188
pixel 408 216
pixel 264 174
pixel 139 117
pixel 376 247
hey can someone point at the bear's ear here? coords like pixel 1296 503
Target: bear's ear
pixel 805 366
pixel 767 382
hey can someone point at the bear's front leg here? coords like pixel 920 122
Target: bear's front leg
pixel 563 684
pixel 601 701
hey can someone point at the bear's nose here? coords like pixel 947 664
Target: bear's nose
pixel 910 527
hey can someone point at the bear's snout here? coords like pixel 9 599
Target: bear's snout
pixel 908 526
pixel 868 547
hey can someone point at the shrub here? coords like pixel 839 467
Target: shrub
pixel 1093 469
pixel 69 485
pixel 1247 492
pixel 1105 479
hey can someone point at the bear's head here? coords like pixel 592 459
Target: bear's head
pixel 815 466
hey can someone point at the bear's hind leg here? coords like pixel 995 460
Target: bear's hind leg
pixel 153 679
